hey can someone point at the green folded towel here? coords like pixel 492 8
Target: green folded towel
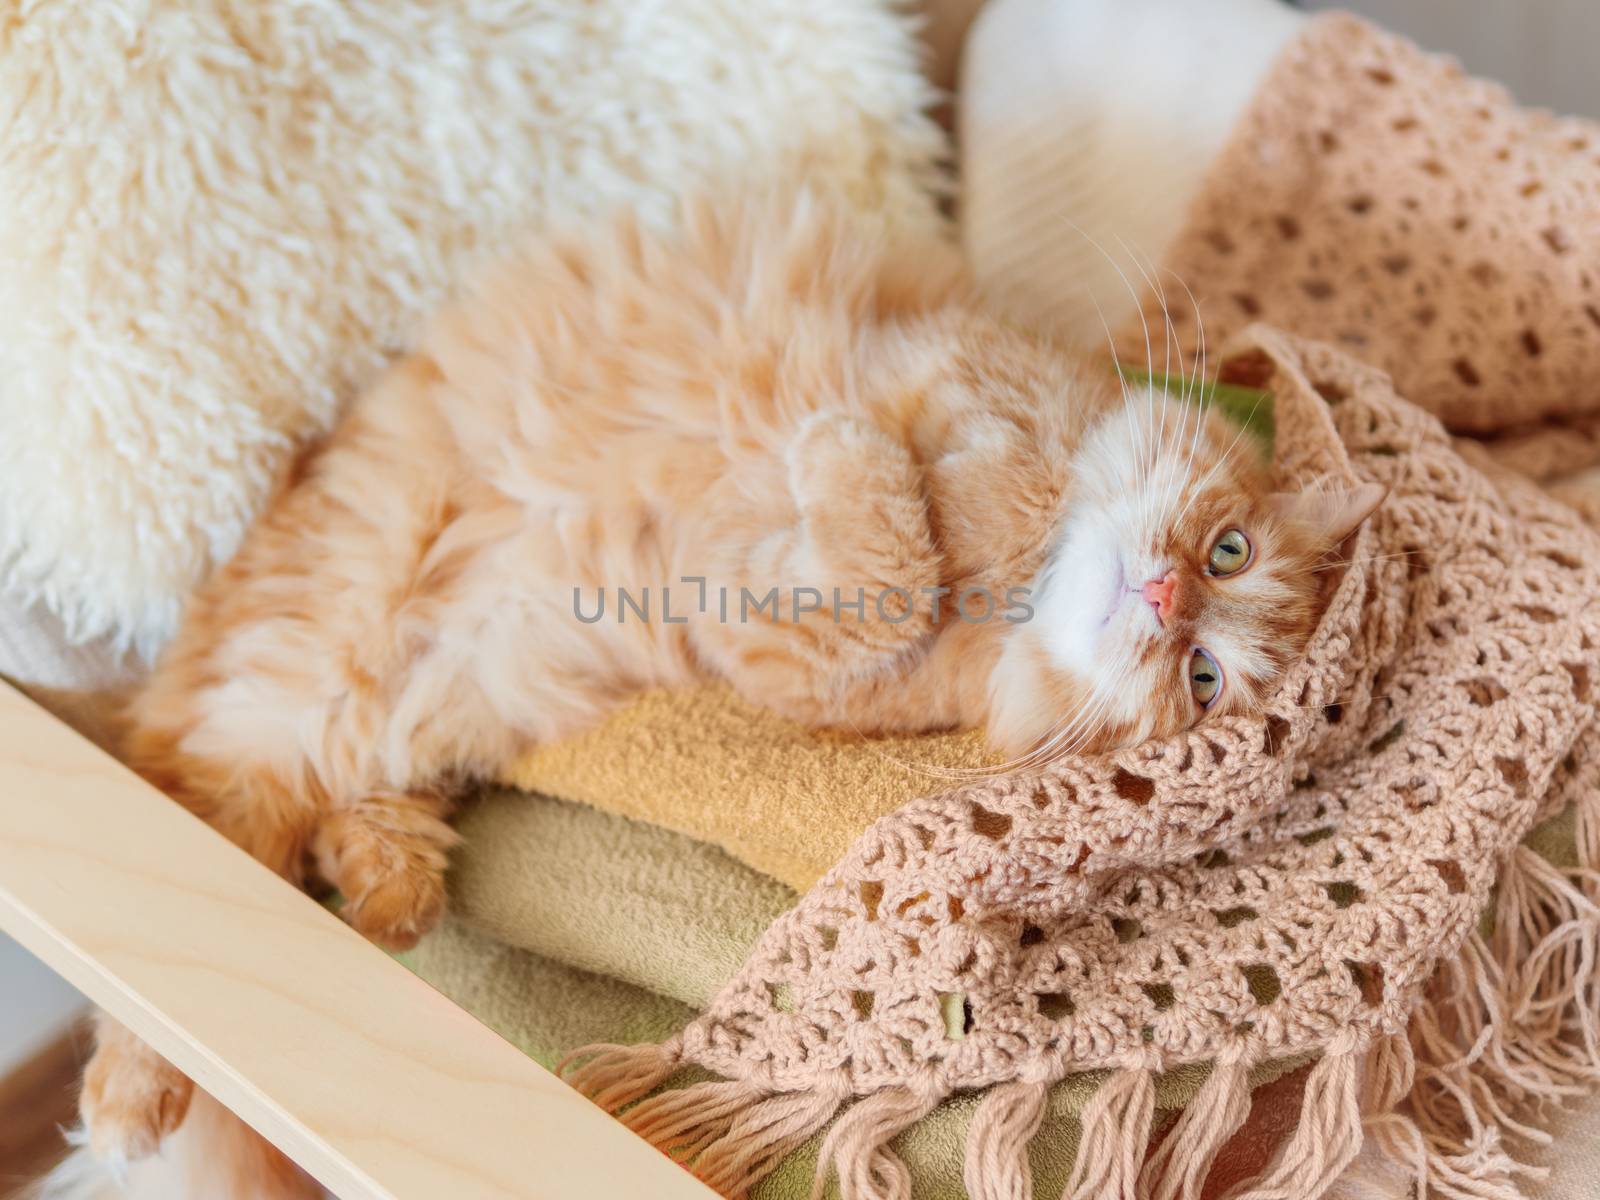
pixel 605 894
pixel 541 1006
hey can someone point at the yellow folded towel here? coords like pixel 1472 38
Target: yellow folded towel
pixel 785 799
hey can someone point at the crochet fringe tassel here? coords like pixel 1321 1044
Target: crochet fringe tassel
pixel 1178 1168
pixel 996 1166
pixel 1114 1130
pixel 1508 1030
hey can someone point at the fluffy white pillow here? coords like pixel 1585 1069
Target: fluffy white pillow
pixel 218 217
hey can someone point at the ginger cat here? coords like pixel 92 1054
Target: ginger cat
pixel 779 396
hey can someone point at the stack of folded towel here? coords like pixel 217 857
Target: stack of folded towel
pixel 572 924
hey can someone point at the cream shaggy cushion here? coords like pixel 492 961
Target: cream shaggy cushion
pixel 218 217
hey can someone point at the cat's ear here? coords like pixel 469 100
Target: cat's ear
pixel 1335 513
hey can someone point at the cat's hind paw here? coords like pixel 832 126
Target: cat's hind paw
pixel 398 907
pixel 387 856
pixel 132 1099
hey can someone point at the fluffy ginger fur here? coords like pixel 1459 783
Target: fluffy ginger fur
pixel 780 397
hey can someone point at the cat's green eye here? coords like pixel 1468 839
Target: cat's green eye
pixel 1205 677
pixel 1230 553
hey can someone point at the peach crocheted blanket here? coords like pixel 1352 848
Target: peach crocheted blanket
pixel 1311 881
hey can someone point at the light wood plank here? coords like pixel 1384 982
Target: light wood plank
pixel 376 1084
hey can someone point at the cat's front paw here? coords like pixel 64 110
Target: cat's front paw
pixel 865 515
pixel 387 856
pixel 132 1099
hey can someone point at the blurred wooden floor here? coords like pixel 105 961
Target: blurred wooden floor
pixel 37 1099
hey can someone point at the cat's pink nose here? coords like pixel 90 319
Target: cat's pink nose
pixel 1159 593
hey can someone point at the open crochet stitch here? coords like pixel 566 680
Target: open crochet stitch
pixel 1310 882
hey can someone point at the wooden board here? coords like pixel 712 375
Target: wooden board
pixel 376 1084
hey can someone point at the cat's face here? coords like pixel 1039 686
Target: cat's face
pixel 1179 587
